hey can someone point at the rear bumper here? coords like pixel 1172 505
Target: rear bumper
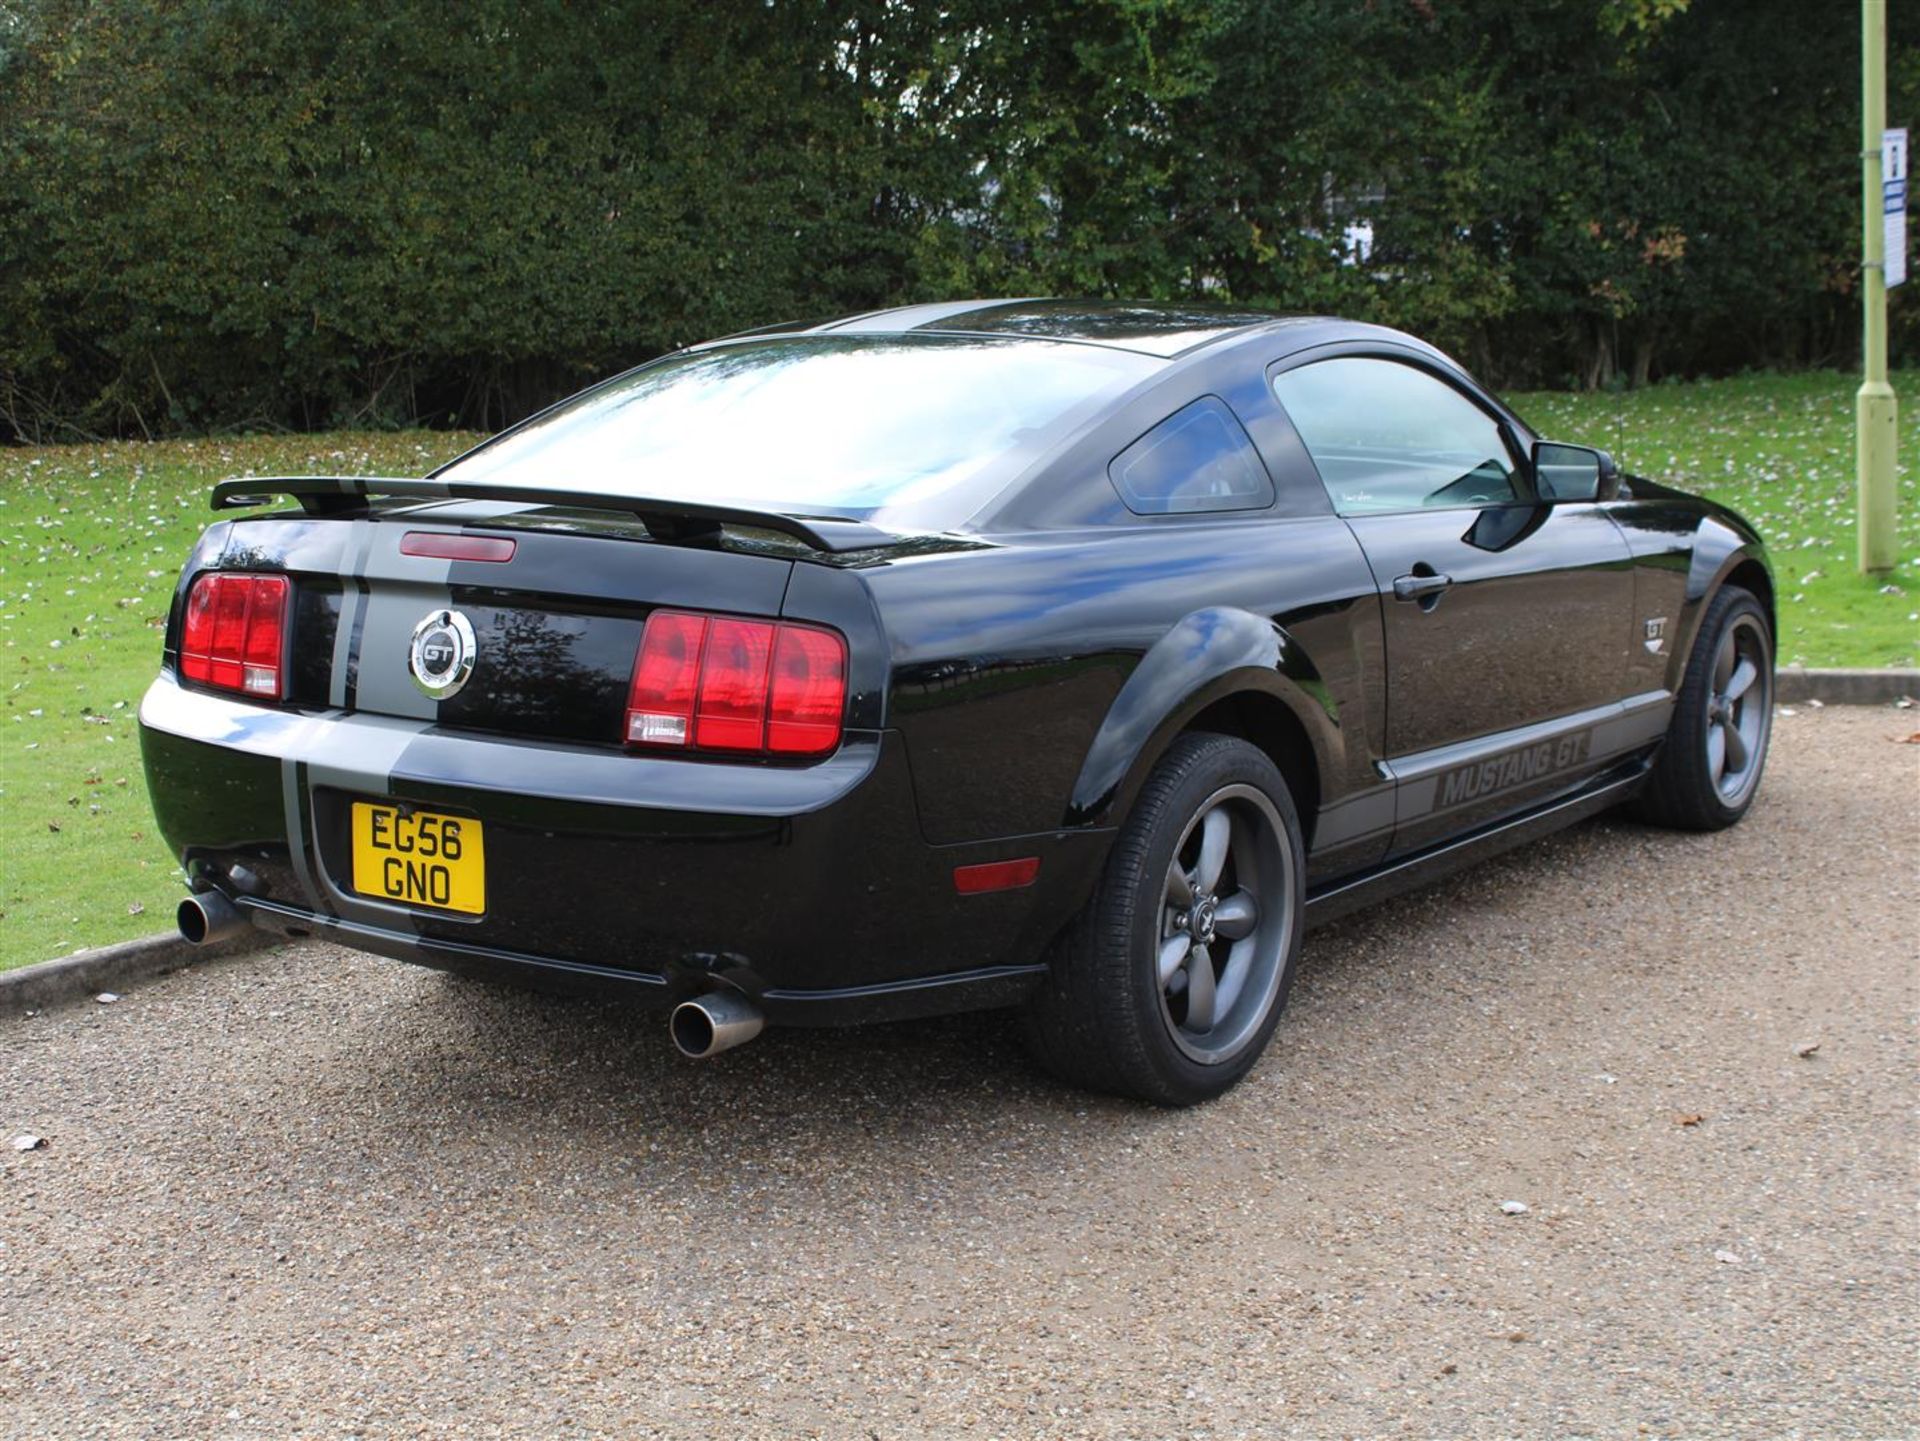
pixel 809 888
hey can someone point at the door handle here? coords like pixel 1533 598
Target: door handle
pixel 1417 587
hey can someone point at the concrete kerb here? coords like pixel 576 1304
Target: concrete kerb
pixel 1795 685
pixel 110 968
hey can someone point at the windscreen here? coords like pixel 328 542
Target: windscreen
pixel 909 432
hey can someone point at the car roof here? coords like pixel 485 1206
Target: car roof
pixel 1161 329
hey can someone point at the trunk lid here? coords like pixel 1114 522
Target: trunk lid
pixel 548 631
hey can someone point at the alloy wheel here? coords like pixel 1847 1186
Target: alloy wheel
pixel 1739 710
pixel 1225 920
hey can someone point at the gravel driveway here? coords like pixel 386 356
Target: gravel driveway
pixel 317 1194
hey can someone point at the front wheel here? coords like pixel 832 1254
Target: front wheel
pixel 1169 985
pixel 1709 769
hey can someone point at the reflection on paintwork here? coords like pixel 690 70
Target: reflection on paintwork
pixel 1013 677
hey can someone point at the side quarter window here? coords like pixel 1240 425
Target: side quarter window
pixel 1386 436
pixel 1197 459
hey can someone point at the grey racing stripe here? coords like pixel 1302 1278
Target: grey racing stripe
pixel 365 766
pixel 293 796
pixel 377 746
pixel 470 511
pixel 366 770
pixel 911 317
pixel 1364 813
pixel 343 637
pixel 346 635
pixel 1611 730
pixel 386 620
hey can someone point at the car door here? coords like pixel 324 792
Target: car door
pixel 1506 617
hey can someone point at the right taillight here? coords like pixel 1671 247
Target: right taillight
pixel 745 687
pixel 806 690
pixel 234 633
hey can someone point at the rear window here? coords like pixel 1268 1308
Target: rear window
pixel 913 430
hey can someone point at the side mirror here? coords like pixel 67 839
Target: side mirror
pixel 1573 472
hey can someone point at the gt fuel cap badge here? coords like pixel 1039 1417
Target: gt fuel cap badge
pixel 440 657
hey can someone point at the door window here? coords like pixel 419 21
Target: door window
pixel 1387 437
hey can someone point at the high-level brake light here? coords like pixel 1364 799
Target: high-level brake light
pixel 234 633
pixel 450 545
pixel 747 687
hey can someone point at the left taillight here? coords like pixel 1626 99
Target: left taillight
pixel 746 687
pixel 234 633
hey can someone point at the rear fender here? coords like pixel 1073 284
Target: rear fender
pixel 1211 654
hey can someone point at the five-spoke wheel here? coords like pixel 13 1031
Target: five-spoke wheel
pixel 1222 921
pixel 1739 708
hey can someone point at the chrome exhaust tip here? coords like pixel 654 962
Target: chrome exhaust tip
pixel 715 1022
pixel 208 916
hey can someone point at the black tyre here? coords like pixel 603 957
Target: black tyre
pixel 1708 772
pixel 1169 985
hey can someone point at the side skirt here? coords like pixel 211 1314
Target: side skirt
pixel 1352 893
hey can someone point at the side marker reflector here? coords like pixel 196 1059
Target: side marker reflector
pixel 996 876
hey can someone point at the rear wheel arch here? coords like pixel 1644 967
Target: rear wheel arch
pixel 1265 721
pixel 1247 676
pixel 1251 706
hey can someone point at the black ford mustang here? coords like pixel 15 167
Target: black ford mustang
pixel 1037 654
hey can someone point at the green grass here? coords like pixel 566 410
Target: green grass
pixel 91 541
pixel 1779 449
pixel 92 537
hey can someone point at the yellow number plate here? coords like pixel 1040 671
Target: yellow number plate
pixel 419 858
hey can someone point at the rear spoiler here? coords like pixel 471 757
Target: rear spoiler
pixel 664 519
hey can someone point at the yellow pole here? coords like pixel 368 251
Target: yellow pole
pixel 1877 412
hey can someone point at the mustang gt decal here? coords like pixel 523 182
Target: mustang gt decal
pixel 1502 772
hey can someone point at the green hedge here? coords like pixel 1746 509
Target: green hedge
pixel 289 212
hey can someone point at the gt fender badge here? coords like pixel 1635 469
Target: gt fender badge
pixel 1656 634
pixel 440 657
